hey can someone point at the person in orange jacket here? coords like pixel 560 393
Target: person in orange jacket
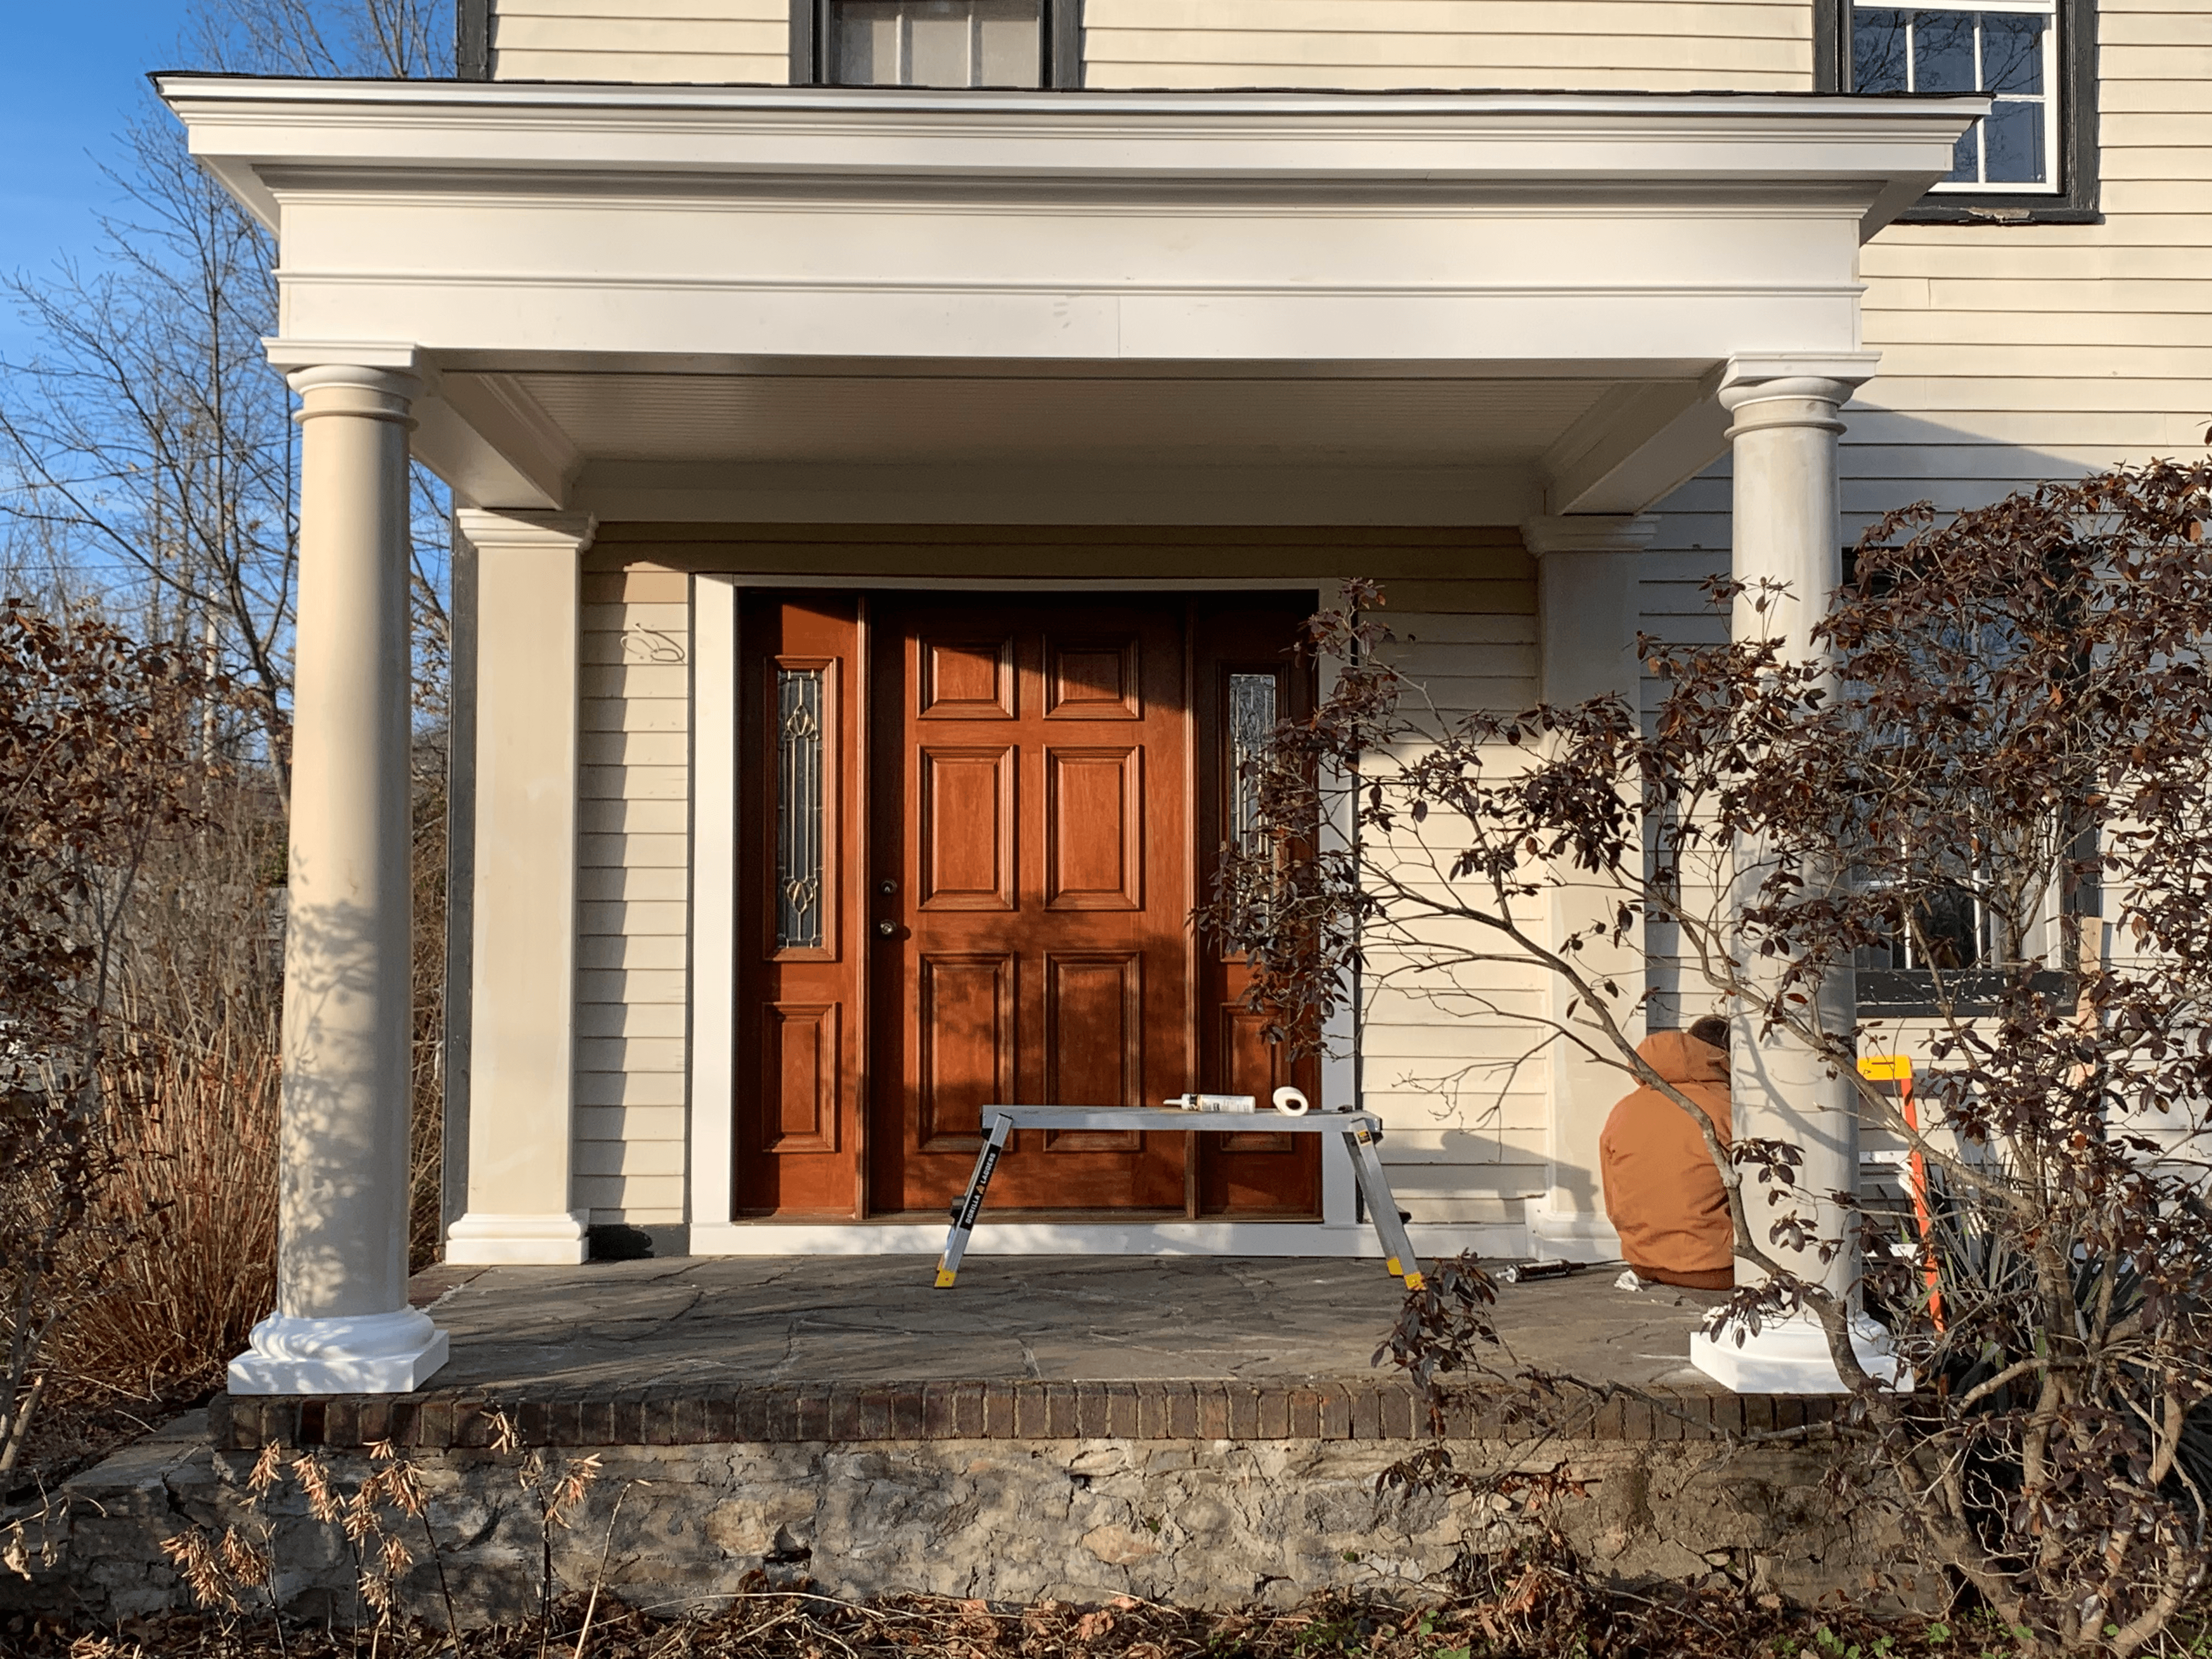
pixel 1661 1191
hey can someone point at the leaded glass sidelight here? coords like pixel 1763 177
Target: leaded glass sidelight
pixel 1251 718
pixel 800 814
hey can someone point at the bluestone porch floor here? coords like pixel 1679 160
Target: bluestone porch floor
pixel 683 1322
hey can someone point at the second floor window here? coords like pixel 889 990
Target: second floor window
pixel 933 43
pixel 2010 52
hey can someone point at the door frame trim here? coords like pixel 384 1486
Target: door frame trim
pixel 711 1029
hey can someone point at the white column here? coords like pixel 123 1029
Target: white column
pixel 1588 605
pixel 523 995
pixel 1788 528
pixel 342 1323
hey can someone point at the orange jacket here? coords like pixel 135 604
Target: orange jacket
pixel 1661 1189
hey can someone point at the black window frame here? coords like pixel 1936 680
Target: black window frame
pixel 2076 202
pixel 472 39
pixel 1062 30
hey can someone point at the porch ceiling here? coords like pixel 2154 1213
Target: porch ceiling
pixel 786 302
pixel 896 441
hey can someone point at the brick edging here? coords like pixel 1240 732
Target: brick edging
pixel 785 1413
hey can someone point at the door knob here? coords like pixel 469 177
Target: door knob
pixel 887 929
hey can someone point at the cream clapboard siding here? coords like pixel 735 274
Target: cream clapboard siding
pixel 632 892
pixel 744 41
pixel 1468 1127
pixel 1654 46
pixel 1657 46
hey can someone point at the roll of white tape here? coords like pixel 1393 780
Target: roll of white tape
pixel 1291 1102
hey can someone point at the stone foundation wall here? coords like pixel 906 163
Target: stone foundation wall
pixel 1207 1523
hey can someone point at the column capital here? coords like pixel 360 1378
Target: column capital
pixel 1809 388
pixel 1589 533
pixel 519 528
pixel 370 394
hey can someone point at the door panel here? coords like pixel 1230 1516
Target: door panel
pixel 965 679
pixel 1094 1042
pixel 966 800
pixel 799 1045
pixel 1094 829
pixel 1093 679
pixel 962 1034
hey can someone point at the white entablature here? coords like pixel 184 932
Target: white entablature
pixel 804 245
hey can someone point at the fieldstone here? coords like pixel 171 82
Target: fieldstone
pixel 1204 1524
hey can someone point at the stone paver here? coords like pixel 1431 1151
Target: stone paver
pixel 630 1325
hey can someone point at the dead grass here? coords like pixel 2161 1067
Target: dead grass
pixel 1523 1609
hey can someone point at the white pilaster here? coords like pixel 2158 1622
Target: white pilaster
pixel 523 994
pixel 343 1323
pixel 1587 576
pixel 1788 529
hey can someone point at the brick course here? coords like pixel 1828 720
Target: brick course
pixel 858 1413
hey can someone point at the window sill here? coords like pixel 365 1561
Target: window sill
pixel 1890 994
pixel 1997 213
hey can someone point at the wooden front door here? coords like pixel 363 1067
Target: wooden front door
pixel 1043 782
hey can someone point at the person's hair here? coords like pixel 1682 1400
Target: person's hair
pixel 1713 1029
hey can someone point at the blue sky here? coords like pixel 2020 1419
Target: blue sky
pixel 70 72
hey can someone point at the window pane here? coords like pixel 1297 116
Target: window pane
pixel 1943 51
pixel 1948 932
pixel 936 44
pixel 1965 156
pixel 864 44
pixel 2012 53
pixel 798 809
pixel 2012 140
pixel 1878 50
pixel 1012 53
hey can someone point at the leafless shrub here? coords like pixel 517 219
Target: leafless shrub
pixel 2011 713
pixel 100 762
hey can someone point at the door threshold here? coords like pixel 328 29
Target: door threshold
pixel 1012 1236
